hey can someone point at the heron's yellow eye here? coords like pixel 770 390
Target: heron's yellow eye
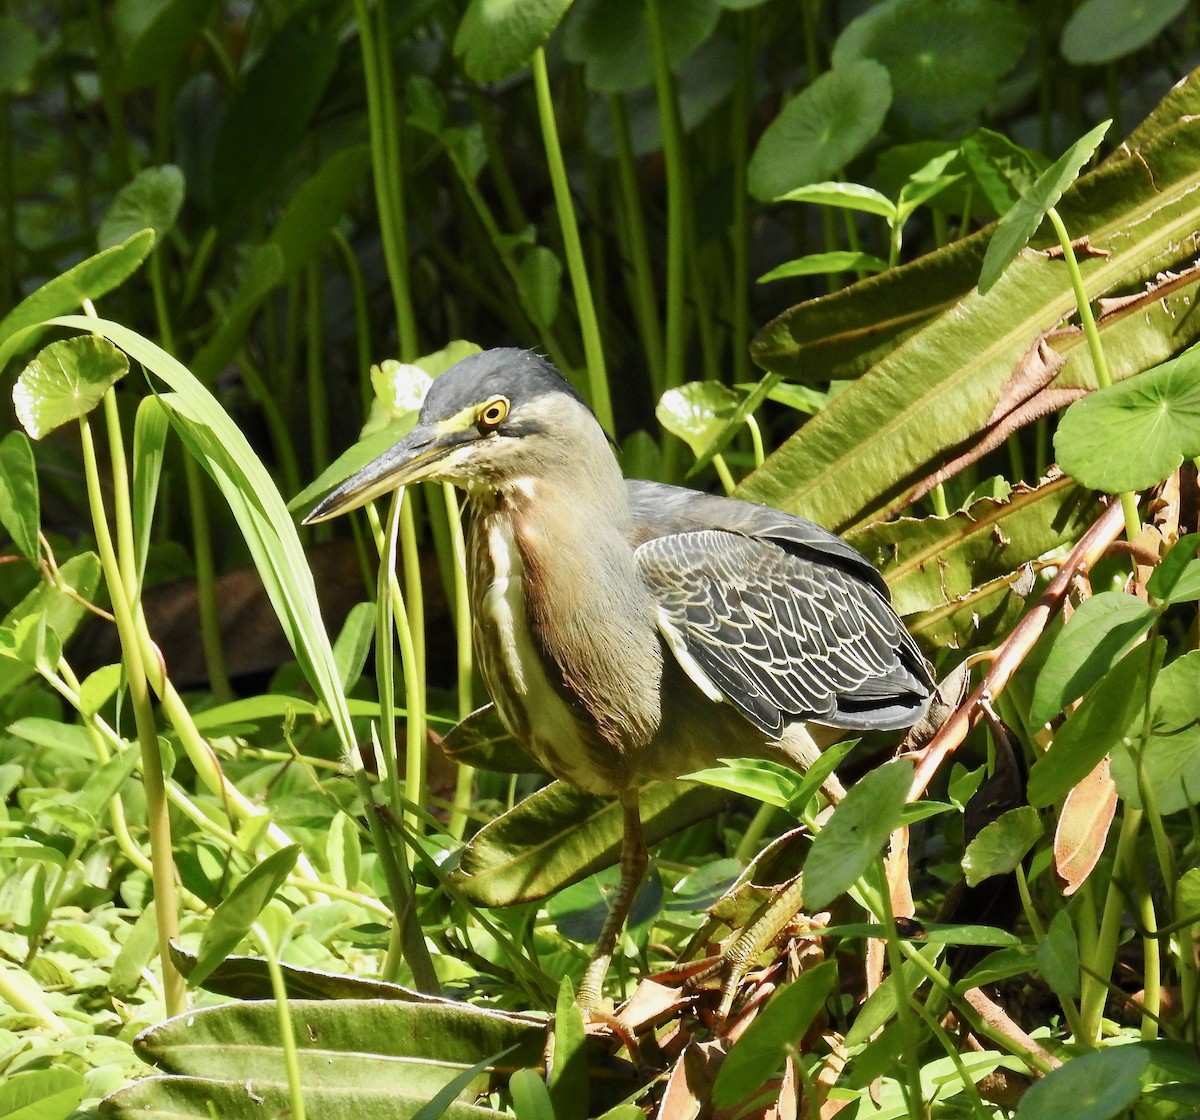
pixel 493 412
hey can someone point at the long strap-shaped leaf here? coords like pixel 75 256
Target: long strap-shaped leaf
pixel 937 389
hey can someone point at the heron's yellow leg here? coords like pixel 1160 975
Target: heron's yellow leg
pixel 633 867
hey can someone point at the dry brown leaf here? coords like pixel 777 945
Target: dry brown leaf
pixel 690 1084
pixel 1083 826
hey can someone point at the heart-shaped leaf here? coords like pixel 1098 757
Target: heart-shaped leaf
pixel 944 56
pixel 821 129
pixel 65 381
pixel 1135 433
pixel 151 200
pixel 1001 845
pixel 497 37
pixel 1101 30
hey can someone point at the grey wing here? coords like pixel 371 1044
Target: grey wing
pixel 781 635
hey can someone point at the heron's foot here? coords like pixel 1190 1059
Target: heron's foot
pixel 735 961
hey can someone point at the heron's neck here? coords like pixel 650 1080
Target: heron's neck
pixel 587 602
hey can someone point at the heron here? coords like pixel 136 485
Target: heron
pixel 629 630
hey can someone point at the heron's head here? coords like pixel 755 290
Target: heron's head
pixel 493 419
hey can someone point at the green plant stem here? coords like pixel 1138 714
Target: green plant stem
pixel 756 441
pixel 206 584
pixel 676 172
pixel 287 1036
pixel 158 818
pixel 589 327
pixel 464 652
pixel 969 1015
pixel 904 1012
pixel 1151 958
pixel 739 145
pixel 1100 962
pixel 277 424
pixel 362 316
pixel 384 129
pixel 645 300
pixel 724 473
pixel 8 206
pixel 318 401
pixel 751 842
pixel 391 601
pixel 22 994
pixel 1133 523
pixel 503 245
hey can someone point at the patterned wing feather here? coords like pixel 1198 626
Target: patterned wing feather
pixel 782 633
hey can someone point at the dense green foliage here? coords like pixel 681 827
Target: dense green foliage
pixel 851 259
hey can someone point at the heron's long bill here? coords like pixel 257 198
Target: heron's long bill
pixel 413 459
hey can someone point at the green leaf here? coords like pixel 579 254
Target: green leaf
pixel 1112 710
pixel 1171 755
pixel 317 206
pixel 856 833
pixel 874 441
pixel 569 1064
pixel 561 835
pixel 530 1097
pixel 1101 30
pixel 151 200
pixel 845 196
pixel 443 1100
pixel 154 35
pixel 90 279
pixel 268 113
pixel 881 1003
pixel 944 56
pixel 18 52
pixel 149 446
pixel 1003 170
pixel 354 643
pixel 20 505
pixel 1001 844
pixel 772 783
pixel 40 1094
pixel 1058 957
pixel 818 264
pixel 821 129
pixel 1021 222
pixel 1134 434
pixel 612 39
pixel 262 272
pixel 496 38
pixel 343 851
pixel 359 1058
pixel 697 412
pixel 481 739
pixel 65 381
pixel 196 1098
pixel 1095 1086
pixel 138 949
pixel 540 271
pixel 1177 577
pixel 780 1026
pixel 50 608
pixel 1101 631
pixel 231 921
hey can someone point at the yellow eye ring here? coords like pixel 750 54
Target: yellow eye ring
pixel 493 412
